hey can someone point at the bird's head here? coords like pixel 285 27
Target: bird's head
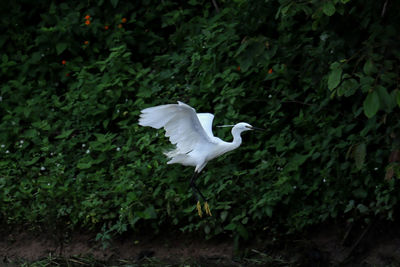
pixel 242 127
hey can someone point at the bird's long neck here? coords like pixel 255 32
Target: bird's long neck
pixel 229 146
pixel 237 138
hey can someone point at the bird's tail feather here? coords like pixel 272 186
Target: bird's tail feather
pixel 171 153
pixel 176 156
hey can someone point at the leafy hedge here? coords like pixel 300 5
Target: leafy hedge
pixel 321 76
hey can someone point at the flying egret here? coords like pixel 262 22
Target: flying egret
pixel 192 135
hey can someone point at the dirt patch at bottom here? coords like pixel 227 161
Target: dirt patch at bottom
pixel 31 247
pixel 378 245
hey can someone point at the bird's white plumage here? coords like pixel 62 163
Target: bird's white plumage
pixel 191 132
pixel 206 120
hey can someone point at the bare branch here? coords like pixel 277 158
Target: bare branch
pixel 215 5
pixel 384 9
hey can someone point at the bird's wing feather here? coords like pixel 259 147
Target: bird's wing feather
pixel 180 122
pixel 206 120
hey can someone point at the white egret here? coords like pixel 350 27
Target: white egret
pixel 191 132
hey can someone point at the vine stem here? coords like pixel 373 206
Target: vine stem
pixel 215 5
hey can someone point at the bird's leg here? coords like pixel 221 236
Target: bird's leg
pixel 194 189
pixel 193 186
pixel 207 208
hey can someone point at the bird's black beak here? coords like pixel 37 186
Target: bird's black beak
pixel 257 129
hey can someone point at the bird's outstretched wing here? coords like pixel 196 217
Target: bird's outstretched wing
pixel 206 120
pixel 181 125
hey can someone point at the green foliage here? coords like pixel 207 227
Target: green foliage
pixel 321 76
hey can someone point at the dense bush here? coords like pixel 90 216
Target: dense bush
pixel 321 76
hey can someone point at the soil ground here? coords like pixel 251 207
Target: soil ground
pixel 371 245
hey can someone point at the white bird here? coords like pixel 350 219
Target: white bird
pixel 192 135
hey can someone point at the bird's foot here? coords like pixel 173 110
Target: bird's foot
pixel 207 209
pixel 199 211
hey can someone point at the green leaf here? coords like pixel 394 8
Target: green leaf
pixel 32 161
pixel 245 62
pixel 64 134
pixel 369 67
pixel 360 152
pixel 150 213
pixel 30 133
pixel 230 227
pixel 35 57
pixel 366 83
pixel 360 193
pixel 64 6
pixel 84 165
pixel 334 77
pixel 347 87
pixel 387 101
pixel 329 8
pixel 349 206
pixel 314 25
pixel 242 231
pixel 362 208
pixel 102 138
pixel 52 9
pixel 223 215
pixel 43 125
pixel 268 211
pixel 295 162
pixel 398 98
pixel 114 3
pixel 207 229
pixel 371 104
pixel 60 47
pixel 105 123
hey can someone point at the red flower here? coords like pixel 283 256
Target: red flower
pixel 86 42
pixel 87 17
pixel 238 68
pixel 64 62
pixel 269 71
pixel 87 22
pixel 106 27
pixel 124 20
